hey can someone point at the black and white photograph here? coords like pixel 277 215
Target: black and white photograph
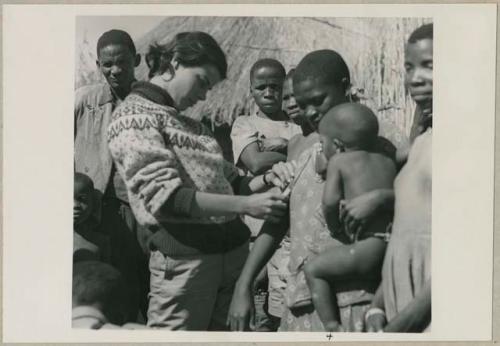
pixel 244 177
pixel 262 173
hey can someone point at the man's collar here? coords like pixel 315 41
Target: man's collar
pixel 107 95
pixel 260 114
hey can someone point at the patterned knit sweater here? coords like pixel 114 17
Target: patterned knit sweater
pixel 161 155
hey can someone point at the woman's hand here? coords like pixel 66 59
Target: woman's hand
pixel 283 172
pixel 241 314
pixel 270 205
pixel 355 213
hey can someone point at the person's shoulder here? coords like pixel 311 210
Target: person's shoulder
pixel 241 123
pixel 91 94
pixel 242 119
pixel 345 158
pixel 92 89
pixel 422 142
pixel 295 140
pixel 425 137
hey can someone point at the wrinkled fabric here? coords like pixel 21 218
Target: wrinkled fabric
pixel 308 237
pixel 193 292
pixel 407 263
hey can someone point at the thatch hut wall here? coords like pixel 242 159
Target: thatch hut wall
pixel 372 47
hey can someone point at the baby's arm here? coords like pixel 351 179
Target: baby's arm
pixel 332 194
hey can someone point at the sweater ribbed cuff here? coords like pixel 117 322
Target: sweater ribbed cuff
pixel 183 200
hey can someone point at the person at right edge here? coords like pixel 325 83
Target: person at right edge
pixel 403 300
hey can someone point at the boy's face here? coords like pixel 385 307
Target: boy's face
pixel 315 98
pixel 418 66
pixel 266 85
pixel 290 104
pixel 82 202
pixel 117 64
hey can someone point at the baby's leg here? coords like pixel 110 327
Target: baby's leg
pixel 323 299
pixel 346 261
pixel 341 262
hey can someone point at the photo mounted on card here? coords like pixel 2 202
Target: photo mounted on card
pixel 267 172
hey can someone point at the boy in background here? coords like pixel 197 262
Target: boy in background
pixel 261 139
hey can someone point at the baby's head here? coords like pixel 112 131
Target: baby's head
pixel 266 85
pixel 83 198
pixel 101 286
pixel 348 126
pixel 419 66
pixel 320 82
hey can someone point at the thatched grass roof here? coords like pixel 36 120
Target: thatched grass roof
pixel 372 47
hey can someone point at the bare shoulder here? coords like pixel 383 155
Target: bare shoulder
pixel 295 139
pixel 422 147
pixel 294 142
pixel 340 160
pixel 242 125
pixel 420 156
pixel 423 142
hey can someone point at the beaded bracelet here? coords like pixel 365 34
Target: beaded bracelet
pixel 374 311
pixel 267 183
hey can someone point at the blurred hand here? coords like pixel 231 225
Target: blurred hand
pixel 284 172
pixel 375 323
pixel 356 213
pixel 270 205
pixel 241 314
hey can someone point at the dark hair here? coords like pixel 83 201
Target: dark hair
pixel 191 49
pixel 267 62
pixel 426 31
pixel 84 179
pixel 358 125
pixel 118 37
pixel 99 283
pixel 325 64
pixel 290 74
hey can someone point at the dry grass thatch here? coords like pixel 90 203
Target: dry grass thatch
pixel 372 47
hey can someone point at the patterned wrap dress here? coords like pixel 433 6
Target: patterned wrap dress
pixel 308 236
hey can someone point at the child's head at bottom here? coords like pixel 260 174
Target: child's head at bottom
pixel 101 286
pixel 348 126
